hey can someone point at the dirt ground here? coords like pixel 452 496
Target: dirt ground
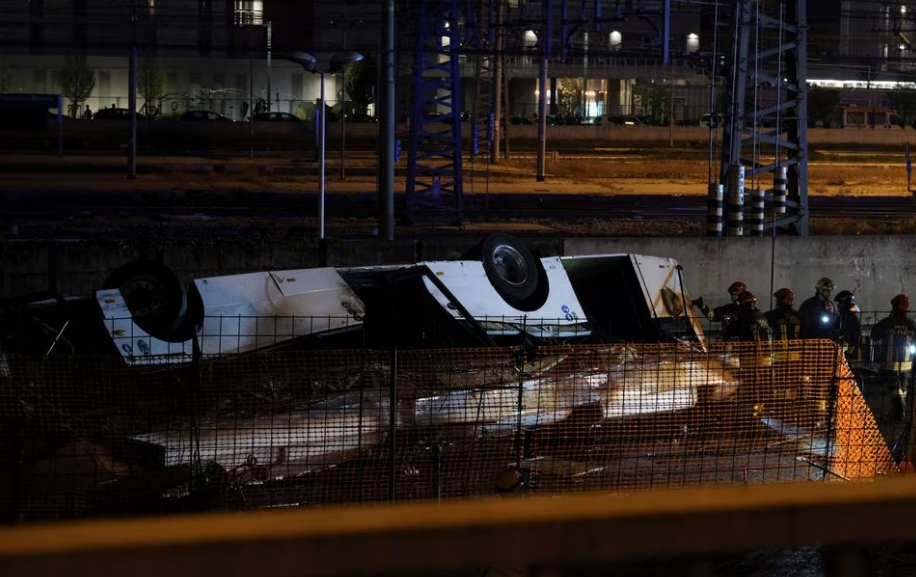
pixel 639 172
pixel 833 176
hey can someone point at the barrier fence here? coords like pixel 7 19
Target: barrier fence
pixel 91 436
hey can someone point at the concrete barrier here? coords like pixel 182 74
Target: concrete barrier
pixel 875 268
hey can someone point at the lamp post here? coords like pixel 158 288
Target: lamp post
pixel 343 99
pixel 310 64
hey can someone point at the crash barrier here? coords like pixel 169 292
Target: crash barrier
pixel 714 210
pixel 304 428
pixel 757 212
pixel 791 530
pixel 735 200
pixel 780 185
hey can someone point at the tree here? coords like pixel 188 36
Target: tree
pixel 653 99
pixel 359 82
pixel 904 102
pixel 569 94
pixel 822 103
pixel 6 74
pixel 76 80
pixel 150 83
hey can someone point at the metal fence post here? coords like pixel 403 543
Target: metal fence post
pixel 519 432
pixel 198 478
pixel 18 494
pixel 392 426
pixel 437 471
pixel 831 411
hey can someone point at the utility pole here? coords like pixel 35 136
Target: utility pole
pixel 386 124
pixel 584 75
pixel 343 96
pixel 500 116
pixel 270 97
pixel 132 95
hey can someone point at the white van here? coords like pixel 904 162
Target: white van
pixel 857 116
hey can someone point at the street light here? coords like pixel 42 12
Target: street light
pixel 343 96
pixel 310 64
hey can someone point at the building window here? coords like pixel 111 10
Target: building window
pixel 249 12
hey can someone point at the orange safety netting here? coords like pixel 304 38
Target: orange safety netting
pixel 861 450
pixel 307 428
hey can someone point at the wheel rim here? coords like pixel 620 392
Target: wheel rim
pixel 510 264
pixel 143 297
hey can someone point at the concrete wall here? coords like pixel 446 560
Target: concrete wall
pixel 875 268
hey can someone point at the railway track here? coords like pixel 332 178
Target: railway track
pixel 479 206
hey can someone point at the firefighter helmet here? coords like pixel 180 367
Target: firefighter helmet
pixel 737 288
pixel 747 299
pixel 784 296
pixel 844 297
pixel 846 301
pixel 825 285
pixel 900 303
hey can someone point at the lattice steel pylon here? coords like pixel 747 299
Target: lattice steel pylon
pixel 487 37
pixel 771 134
pixel 434 171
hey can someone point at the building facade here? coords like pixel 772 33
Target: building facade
pixel 227 55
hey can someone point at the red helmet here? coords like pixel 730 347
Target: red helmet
pixel 747 298
pixel 900 303
pixel 737 288
pixel 784 296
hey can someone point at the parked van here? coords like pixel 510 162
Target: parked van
pixel 857 116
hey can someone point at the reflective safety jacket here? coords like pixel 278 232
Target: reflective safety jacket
pixel 892 338
pixel 785 326
pixel 849 332
pixel 784 323
pixel 753 327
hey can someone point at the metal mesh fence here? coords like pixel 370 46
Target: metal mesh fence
pixel 92 436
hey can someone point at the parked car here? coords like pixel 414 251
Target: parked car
pixel 360 117
pixel 711 120
pixel 624 120
pixel 203 115
pixel 276 117
pixel 115 114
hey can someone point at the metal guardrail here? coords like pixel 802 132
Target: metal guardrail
pixel 576 530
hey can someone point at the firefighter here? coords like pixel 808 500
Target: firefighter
pixel 818 313
pixel 849 329
pixel 893 339
pixel 726 314
pixel 785 326
pixel 752 324
pixel 784 321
